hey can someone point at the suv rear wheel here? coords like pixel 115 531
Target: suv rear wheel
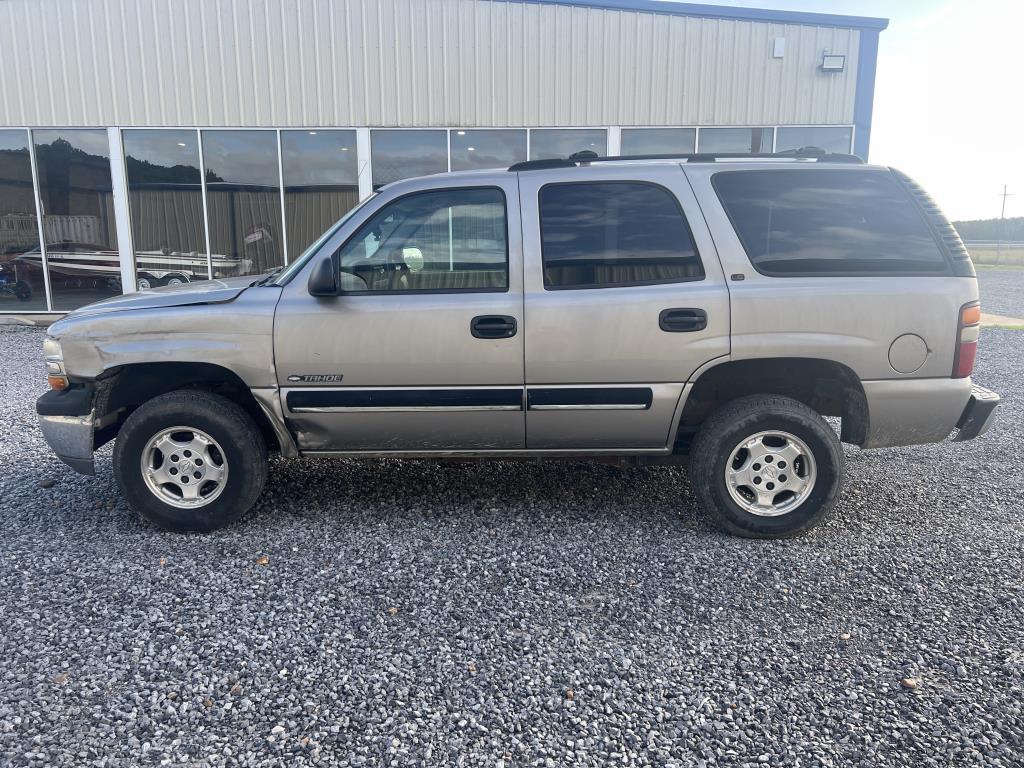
pixel 766 466
pixel 190 461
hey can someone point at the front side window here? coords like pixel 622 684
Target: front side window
pixel 814 222
pixel 607 234
pixel 444 240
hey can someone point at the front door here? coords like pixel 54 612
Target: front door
pixel 422 350
pixel 624 299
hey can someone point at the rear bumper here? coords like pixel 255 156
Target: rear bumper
pixel 67 422
pixel 913 411
pixel 918 411
pixel 978 414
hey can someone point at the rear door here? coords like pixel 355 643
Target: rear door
pixel 422 350
pixel 624 300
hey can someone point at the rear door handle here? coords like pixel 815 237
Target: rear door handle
pixel 682 320
pixel 493 327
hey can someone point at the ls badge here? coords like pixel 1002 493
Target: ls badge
pixel 316 378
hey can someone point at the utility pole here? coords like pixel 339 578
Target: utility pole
pixel 1002 227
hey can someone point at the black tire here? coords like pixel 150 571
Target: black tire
pixel 724 430
pixel 241 442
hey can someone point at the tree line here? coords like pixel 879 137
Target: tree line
pixel 1011 230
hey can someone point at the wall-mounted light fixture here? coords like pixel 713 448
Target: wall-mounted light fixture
pixel 833 62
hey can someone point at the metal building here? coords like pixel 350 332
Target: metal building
pixel 297 109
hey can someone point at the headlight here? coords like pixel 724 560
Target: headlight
pixel 56 375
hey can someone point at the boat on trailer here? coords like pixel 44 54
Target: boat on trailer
pixel 79 262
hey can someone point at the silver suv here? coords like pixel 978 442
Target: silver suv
pixel 708 308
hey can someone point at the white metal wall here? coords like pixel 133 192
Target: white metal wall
pixel 407 63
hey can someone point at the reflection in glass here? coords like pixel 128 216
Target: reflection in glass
pixel 321 183
pixel 658 141
pixel 449 240
pixel 78 216
pixel 735 140
pixel 166 199
pixel 487 148
pixel 561 142
pixel 243 201
pixel 826 137
pixel 852 222
pixel 401 154
pixel 598 235
pixel 21 277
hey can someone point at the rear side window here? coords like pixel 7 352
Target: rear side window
pixel 615 233
pixel 820 222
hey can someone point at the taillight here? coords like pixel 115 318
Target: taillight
pixel 968 330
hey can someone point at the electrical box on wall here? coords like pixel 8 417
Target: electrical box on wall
pixel 779 48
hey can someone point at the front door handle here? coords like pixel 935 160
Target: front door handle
pixel 682 320
pixel 493 327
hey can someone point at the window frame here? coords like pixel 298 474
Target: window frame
pixel 946 271
pixel 633 283
pixel 336 255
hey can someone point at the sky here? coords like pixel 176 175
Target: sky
pixel 949 96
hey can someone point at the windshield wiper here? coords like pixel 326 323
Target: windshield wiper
pixel 268 277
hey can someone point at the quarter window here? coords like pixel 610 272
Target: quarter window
pixel 813 222
pixel 445 240
pixel 606 234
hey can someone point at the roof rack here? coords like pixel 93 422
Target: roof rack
pixel 587 156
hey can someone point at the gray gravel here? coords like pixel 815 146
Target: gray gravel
pixel 397 613
pixel 1002 291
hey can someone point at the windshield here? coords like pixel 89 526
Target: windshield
pixel 292 269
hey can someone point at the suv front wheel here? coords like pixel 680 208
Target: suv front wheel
pixel 766 466
pixel 190 461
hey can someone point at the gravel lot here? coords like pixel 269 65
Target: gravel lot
pixel 397 613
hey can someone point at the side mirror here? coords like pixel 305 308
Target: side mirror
pixel 323 280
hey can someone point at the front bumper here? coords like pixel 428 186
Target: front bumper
pixel 69 431
pixel 978 414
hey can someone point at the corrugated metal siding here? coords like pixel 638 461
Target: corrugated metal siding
pixel 407 63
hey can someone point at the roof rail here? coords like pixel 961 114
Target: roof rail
pixel 586 157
